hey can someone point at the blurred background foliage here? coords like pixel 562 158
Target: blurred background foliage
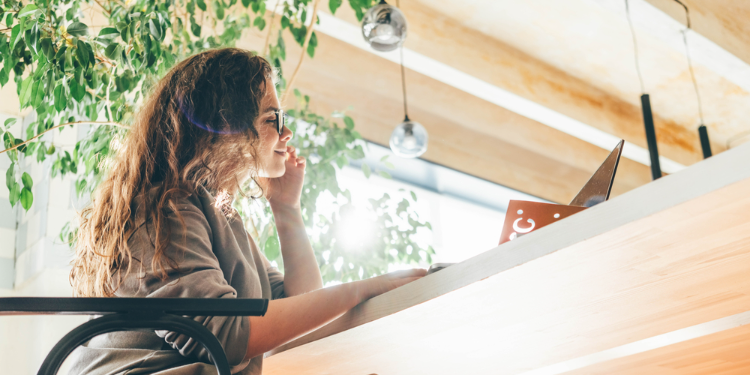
pixel 72 73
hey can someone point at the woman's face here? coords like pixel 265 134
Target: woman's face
pixel 272 151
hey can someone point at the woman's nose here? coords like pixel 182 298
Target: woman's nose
pixel 286 134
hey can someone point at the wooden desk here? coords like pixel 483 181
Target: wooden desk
pixel 656 281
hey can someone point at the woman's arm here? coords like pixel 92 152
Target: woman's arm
pixel 289 318
pixel 301 271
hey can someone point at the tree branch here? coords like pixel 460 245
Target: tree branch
pixel 109 11
pixel 61 125
pixel 270 28
pixel 304 51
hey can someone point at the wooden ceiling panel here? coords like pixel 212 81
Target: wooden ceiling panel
pixel 442 38
pixel 725 22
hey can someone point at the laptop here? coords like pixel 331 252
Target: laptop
pixel 524 217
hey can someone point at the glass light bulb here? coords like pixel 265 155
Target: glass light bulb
pixel 409 139
pixel 384 27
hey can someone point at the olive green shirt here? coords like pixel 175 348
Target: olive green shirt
pixel 215 258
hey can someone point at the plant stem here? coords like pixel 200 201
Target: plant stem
pixel 270 28
pixel 61 125
pixel 304 51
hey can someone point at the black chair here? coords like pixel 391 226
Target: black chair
pixel 122 314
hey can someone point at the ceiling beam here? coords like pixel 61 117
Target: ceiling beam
pixel 441 48
pixel 725 22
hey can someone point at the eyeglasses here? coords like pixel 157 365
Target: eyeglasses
pixel 280 120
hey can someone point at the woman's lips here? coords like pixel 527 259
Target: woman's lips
pixel 282 153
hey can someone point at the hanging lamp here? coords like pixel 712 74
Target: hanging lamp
pixel 384 27
pixel 409 139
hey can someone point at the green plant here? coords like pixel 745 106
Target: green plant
pixel 73 73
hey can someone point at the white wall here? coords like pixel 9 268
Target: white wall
pixel 33 262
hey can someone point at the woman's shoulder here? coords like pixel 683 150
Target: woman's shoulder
pixel 182 199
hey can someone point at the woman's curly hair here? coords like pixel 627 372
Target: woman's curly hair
pixel 196 129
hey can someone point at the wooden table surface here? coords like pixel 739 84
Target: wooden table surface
pixel 655 281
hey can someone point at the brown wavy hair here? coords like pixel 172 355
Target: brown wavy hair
pixel 207 103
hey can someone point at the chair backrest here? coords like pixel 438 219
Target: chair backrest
pixel 119 314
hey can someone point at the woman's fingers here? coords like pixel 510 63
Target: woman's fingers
pixel 414 272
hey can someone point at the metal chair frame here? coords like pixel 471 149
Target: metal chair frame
pixel 120 314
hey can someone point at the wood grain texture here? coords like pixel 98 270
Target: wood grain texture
pixel 722 21
pixel 669 255
pixel 722 353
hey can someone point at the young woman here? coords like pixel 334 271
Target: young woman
pixel 161 223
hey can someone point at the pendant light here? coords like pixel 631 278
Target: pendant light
pixel 409 139
pixel 384 27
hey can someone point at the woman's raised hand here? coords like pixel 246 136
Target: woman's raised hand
pixel 285 191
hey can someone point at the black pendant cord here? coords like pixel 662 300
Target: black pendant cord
pixel 403 84
pixel 702 130
pixel 648 118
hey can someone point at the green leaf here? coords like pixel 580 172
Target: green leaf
pixel 16 35
pixel 260 22
pixel 366 170
pixel 194 27
pixel 385 174
pixel 60 103
pixel 154 29
pixel 27 198
pixel 82 53
pixel 312 44
pixel 342 161
pixel 201 4
pixel 333 5
pixel 37 90
pixel 47 48
pixel 219 9
pixel 349 122
pixel 28 10
pixel 51 149
pixel 109 33
pixel 413 195
pixel 77 91
pixel 25 94
pixel 27 181
pixel 15 193
pixel 245 3
pixel 110 51
pixel 10 121
pixel 78 29
pixel 10 177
